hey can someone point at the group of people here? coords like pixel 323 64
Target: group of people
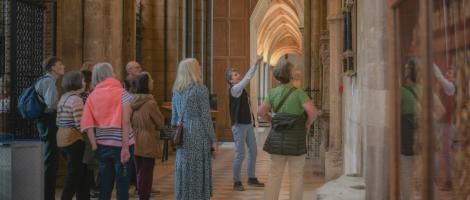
pixel 101 121
pixel 96 120
pixel 293 113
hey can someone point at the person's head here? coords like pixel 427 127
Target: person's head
pixel 101 71
pixel 53 65
pixel 411 70
pixel 283 71
pixel 87 78
pixel 296 77
pixel 189 74
pixel 72 81
pixel 232 76
pixel 133 68
pixel 142 84
pixel 88 66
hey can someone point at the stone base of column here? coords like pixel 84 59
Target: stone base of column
pixel 333 165
pixel 345 187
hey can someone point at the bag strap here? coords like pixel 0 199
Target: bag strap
pixel 34 87
pixel 284 99
pixel 411 91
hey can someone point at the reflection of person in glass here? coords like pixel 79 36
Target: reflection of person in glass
pixel 408 106
pixel 445 129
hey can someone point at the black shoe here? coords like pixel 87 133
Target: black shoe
pixel 255 182
pixel 238 186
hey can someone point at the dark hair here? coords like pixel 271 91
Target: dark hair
pixel 412 70
pixel 282 71
pixel 87 77
pixel 49 62
pixel 72 81
pixel 140 84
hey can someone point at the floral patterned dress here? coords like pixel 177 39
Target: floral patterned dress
pixel 193 176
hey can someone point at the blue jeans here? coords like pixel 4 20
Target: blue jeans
pixel 111 168
pixel 244 134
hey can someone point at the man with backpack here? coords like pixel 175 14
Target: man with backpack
pixel 46 123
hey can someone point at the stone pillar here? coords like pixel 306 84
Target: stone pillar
pixel 334 159
pixel 307 36
pixel 69 33
pixel 372 83
pixel 103 33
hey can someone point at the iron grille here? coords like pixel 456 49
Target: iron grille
pixel 23 42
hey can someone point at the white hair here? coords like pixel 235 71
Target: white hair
pixel 189 74
pixel 131 64
pixel 101 71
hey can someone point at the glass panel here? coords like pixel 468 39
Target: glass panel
pixel 409 58
pixel 450 70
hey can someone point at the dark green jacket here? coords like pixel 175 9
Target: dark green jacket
pixel 287 135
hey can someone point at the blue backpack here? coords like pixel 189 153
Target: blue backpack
pixel 30 104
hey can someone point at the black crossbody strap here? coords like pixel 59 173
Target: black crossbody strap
pixel 284 99
pixel 411 91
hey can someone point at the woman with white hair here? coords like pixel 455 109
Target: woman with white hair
pixel 106 119
pixel 190 106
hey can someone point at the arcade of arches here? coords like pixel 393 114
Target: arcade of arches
pixel 350 58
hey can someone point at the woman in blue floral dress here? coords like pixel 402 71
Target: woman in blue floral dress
pixel 193 176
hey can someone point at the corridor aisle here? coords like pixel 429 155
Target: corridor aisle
pixel 222 176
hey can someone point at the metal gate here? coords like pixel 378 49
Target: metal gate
pixel 23 49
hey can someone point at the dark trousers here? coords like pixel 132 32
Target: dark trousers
pixel 144 167
pixel 112 169
pixel 47 130
pixel 76 181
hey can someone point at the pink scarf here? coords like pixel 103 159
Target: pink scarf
pixel 103 108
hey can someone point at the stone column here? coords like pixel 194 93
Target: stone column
pixel 103 33
pixel 334 159
pixel 69 33
pixel 307 36
pixel 371 68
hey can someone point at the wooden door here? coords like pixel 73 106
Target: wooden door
pixel 231 48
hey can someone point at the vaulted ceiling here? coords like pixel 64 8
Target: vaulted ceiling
pixel 279 33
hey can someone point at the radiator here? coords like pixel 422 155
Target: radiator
pixel 21 170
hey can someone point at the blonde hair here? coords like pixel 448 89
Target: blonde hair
pixel 189 74
pixel 101 71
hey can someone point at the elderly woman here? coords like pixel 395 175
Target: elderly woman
pixel 106 119
pixel 190 106
pixel 146 121
pixel 69 138
pixel 286 143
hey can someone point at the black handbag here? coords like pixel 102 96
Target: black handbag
pixel 281 134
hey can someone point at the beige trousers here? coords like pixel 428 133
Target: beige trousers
pixel 296 177
pixel 407 168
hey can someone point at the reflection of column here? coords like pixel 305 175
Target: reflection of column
pixel 334 162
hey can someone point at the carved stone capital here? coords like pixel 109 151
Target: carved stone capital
pixel 348 5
